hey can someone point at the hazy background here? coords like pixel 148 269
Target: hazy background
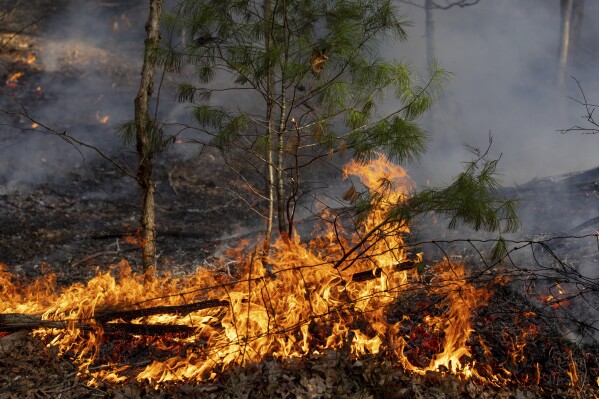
pixel 503 54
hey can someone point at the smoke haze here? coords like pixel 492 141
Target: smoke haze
pixel 503 55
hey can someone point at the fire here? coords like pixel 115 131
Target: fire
pixel 13 78
pixel 134 239
pixel 317 297
pixel 573 371
pixel 557 299
pixel 29 58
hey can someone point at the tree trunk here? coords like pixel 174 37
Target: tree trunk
pixel 430 54
pixel 564 48
pixel 270 166
pixel 280 169
pixel 281 208
pixel 144 129
pixel 430 33
pixel 575 29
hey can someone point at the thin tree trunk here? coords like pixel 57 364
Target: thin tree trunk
pixel 281 200
pixel 144 130
pixel 430 33
pixel 270 166
pixel 430 54
pixel 564 48
pixel 576 29
pixel 281 211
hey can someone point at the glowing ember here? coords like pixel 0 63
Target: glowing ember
pixel 102 119
pixel 25 59
pixel 557 299
pixel 135 239
pixel 13 78
pixel 303 307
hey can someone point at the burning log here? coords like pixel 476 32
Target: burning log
pixel 177 310
pixel 11 322
pixel 147 329
pixel 407 264
pixel 367 275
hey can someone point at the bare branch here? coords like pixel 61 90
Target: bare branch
pixel 76 143
pixel 447 4
pixel 593 126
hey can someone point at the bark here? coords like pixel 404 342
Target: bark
pixel 144 131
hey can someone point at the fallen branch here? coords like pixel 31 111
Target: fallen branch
pixel 12 322
pixel 176 310
pixel 407 264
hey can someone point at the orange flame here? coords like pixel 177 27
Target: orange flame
pixel 135 239
pixel 13 78
pixel 303 307
pixel 573 371
pixel 558 299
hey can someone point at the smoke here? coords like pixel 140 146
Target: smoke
pixel 503 56
pixel 88 58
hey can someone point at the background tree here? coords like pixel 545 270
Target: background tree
pixel 317 85
pixel 429 7
pixel 571 16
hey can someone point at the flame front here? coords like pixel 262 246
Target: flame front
pixel 311 301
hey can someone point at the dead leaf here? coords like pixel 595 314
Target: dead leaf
pixel 318 60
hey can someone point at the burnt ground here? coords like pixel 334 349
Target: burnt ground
pixel 85 219
pixel 65 208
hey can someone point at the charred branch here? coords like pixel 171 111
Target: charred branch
pixel 176 310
